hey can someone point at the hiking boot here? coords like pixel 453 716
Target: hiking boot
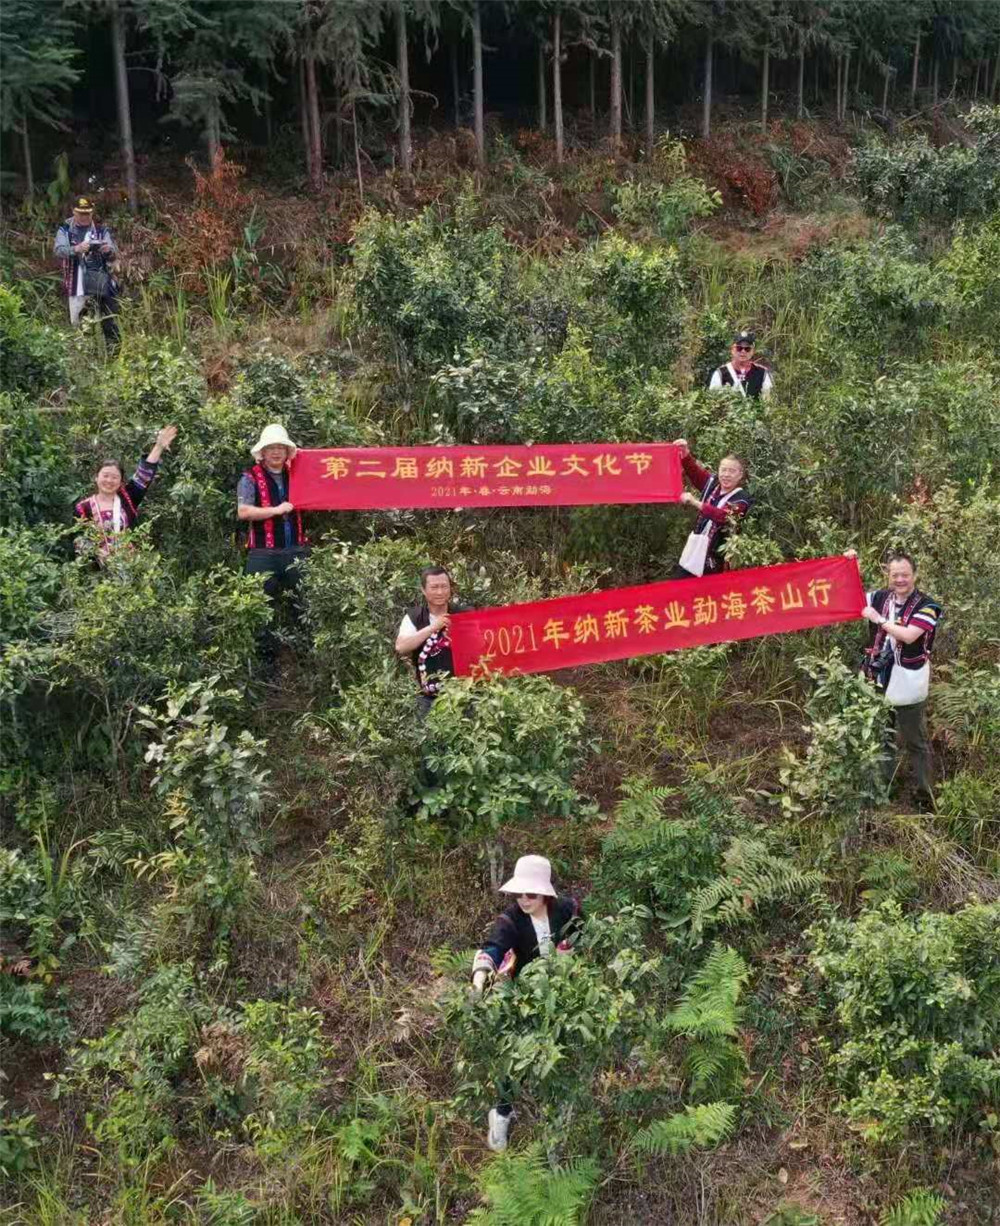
pixel 496 1138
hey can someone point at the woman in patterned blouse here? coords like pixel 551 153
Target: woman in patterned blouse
pixel 114 507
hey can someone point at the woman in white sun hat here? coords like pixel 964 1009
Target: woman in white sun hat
pixel 275 539
pixel 538 923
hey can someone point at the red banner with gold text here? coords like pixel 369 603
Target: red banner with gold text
pixel 657 617
pixel 370 478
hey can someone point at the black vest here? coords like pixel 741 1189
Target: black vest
pixel 256 534
pixel 753 383
pixel 441 662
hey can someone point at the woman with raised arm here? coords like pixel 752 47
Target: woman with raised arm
pixel 113 507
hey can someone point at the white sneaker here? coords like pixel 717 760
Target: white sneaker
pixel 496 1138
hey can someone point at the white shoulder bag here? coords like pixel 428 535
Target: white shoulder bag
pixel 695 553
pixel 907 686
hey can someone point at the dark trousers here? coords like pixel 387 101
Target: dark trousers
pixel 680 573
pixel 281 566
pixel 908 726
pixel 106 307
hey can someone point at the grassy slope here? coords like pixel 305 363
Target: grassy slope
pixel 370 971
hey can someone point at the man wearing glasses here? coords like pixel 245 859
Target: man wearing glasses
pixel 750 378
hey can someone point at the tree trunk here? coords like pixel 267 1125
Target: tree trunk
pixel 315 132
pixel 765 88
pixel 304 117
pixel 403 68
pixel 455 94
pixel 846 87
pixel 706 106
pixel 800 108
pixel 996 75
pixel 593 88
pixel 29 173
pixel 268 126
pixel 885 92
pixel 477 83
pixel 543 109
pixel 557 106
pixel 936 80
pixel 975 79
pixel 357 151
pixel 615 101
pixel 857 77
pixel 650 92
pixel 840 73
pixel 124 109
pixel 816 97
pixel 212 132
pixel 916 68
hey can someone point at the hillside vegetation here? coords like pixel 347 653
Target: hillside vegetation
pixel 238 917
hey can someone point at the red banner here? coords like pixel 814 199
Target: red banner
pixel 657 617
pixel 368 478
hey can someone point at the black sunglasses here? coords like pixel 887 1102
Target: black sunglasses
pixel 744 348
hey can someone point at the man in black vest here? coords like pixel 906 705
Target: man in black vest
pixel 423 634
pixel 276 542
pixel 750 378
pixel 903 621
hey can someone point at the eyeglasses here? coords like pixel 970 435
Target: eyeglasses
pixel 532 897
pixel 744 348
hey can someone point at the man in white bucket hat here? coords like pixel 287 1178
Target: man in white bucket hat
pixel 536 923
pixel 275 539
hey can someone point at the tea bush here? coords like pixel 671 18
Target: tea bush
pixel 915 181
pixel 432 283
pixel 500 752
pixel 213 787
pixel 914 1007
pixel 32 354
pixel 842 769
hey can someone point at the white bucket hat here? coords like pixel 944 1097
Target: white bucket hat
pixel 532 875
pixel 274 435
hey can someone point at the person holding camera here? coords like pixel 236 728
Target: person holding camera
pixel 88 252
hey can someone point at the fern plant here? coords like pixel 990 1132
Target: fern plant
pixel 696 1127
pixel 708 1015
pixel 752 876
pixel 921 1207
pixel 522 1189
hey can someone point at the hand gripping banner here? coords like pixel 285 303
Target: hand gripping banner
pixel 657 617
pixel 370 478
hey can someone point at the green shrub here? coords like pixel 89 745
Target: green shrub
pixel 32 354
pixel 666 209
pixel 433 284
pixel 971 266
pixel 841 770
pixel 546 1036
pixel 132 1075
pixel 284 1073
pixel 915 181
pixel 635 302
pixel 29 1011
pixel 877 299
pixel 914 1016
pixel 178 630
pixel 501 751
pixel 36 477
pixel 18 1142
pixel 354 600
pixel 949 531
pixel 214 787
